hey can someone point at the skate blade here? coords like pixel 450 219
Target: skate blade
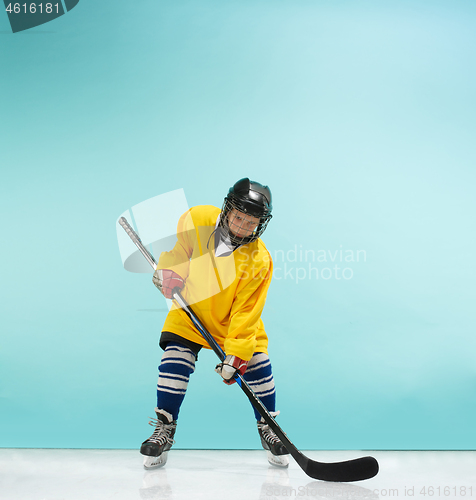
pixel 155 462
pixel 278 460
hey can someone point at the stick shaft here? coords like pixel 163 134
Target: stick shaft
pixel 198 324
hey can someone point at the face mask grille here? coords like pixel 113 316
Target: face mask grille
pixel 245 227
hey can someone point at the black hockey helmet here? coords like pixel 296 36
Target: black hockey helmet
pixel 251 198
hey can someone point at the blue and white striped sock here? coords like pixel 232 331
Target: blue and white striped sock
pixel 260 378
pixel 178 363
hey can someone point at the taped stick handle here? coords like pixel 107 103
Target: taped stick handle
pixel 138 242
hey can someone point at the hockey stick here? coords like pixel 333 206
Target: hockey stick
pixel 351 470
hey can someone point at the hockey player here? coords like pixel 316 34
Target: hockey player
pixel 223 269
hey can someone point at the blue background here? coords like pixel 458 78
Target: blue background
pixel 360 115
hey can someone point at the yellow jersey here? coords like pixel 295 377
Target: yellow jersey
pixel 228 292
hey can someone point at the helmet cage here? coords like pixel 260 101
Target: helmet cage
pixel 259 211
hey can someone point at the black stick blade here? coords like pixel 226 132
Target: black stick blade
pixel 342 472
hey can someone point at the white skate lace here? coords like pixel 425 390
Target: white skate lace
pixel 268 434
pixel 162 431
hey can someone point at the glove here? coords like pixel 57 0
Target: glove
pixel 230 367
pixel 166 280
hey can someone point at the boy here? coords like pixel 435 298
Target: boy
pixel 224 270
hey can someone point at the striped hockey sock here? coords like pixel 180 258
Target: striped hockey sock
pixel 260 377
pixel 178 363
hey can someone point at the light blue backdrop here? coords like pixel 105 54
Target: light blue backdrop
pixel 360 115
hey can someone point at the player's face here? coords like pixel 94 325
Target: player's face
pixel 241 224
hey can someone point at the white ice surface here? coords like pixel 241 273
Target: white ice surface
pixel 219 475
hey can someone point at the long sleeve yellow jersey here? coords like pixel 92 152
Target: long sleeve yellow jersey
pixel 228 293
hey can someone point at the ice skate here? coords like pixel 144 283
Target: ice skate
pixel 157 446
pixel 278 455
pixel 156 462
